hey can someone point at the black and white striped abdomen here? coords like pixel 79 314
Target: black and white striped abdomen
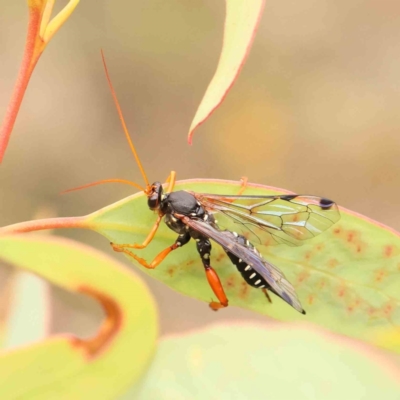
pixel 255 270
pixel 252 277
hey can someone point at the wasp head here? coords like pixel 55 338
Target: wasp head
pixel 154 196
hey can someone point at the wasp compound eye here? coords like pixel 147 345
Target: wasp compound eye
pixel 155 196
pixel 153 201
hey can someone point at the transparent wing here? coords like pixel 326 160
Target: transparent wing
pixel 275 278
pixel 269 220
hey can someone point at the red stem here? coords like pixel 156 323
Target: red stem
pixel 42 224
pixel 33 49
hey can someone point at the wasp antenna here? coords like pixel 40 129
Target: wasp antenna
pixel 104 181
pixel 121 117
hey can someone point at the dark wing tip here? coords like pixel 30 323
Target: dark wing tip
pixel 288 197
pixel 292 300
pixel 326 204
pixel 304 312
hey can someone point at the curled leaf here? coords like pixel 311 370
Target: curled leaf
pixel 29 311
pixel 65 366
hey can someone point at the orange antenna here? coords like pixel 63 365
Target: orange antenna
pixel 121 117
pixel 104 181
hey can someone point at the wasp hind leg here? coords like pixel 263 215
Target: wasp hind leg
pixel 180 241
pixel 204 249
pixel 265 291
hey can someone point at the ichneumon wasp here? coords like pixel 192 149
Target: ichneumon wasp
pixel 280 219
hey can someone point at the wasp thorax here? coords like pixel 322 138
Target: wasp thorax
pixel 154 197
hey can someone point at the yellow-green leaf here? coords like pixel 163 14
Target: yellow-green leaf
pixel 28 317
pixel 347 278
pixel 66 367
pixel 248 362
pixel 241 22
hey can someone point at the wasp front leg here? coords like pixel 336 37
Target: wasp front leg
pixel 243 186
pixel 204 249
pixel 171 181
pixel 149 238
pixel 181 241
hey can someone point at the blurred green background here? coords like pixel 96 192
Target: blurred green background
pixel 315 111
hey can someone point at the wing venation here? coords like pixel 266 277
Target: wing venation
pixel 270 220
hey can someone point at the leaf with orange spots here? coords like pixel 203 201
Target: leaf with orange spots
pixel 67 367
pixel 347 278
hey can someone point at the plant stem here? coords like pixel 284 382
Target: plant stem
pixel 33 49
pixel 48 223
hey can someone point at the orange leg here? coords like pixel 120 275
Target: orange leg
pixel 171 181
pixel 265 291
pixel 217 288
pixel 157 260
pixel 180 241
pixel 244 181
pixel 149 238
pixel 241 190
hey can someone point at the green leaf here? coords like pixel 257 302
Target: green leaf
pixel 247 362
pixel 29 311
pixel 242 18
pixel 347 278
pixel 65 367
